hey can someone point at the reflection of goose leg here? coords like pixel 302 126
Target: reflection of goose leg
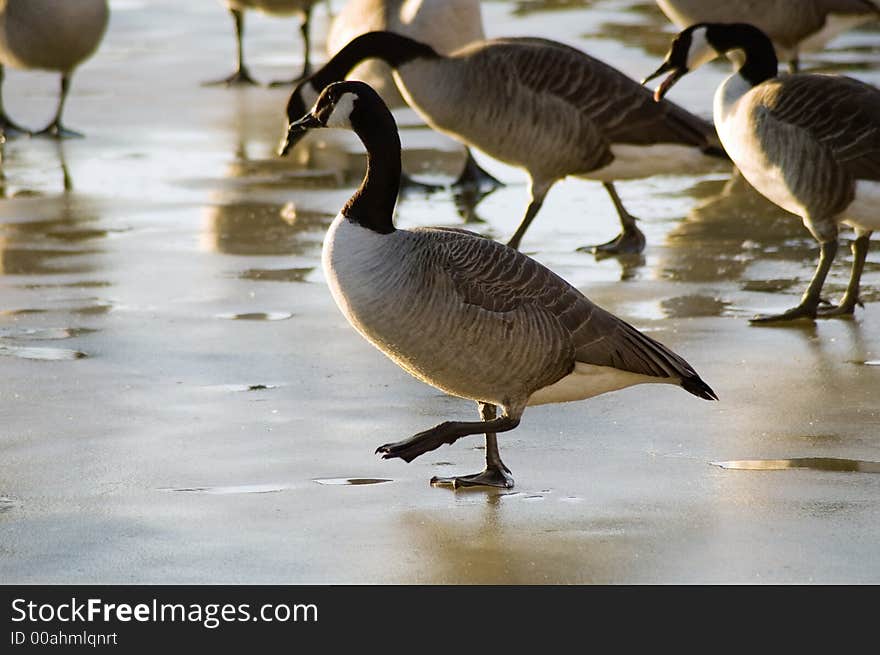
pixel 496 474
pixel 474 175
pixel 307 47
pixel 630 241
pixel 808 307
pixel 241 75
pixel 55 129
pixel 409 185
pixel 7 126
pixel 847 306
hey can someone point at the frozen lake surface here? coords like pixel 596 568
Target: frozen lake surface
pixel 182 402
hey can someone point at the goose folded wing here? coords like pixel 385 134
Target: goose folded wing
pixel 620 108
pixel 841 113
pixel 501 280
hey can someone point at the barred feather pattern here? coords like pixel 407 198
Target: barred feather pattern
pixel 822 132
pixel 554 110
pixel 478 319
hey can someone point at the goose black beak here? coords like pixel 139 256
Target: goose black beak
pixel 675 74
pixel 296 131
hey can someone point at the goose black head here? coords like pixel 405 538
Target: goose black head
pixel 691 48
pixel 336 106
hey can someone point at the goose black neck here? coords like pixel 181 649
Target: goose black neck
pixel 393 49
pixel 372 205
pixel 761 63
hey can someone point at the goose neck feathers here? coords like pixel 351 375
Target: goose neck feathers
pixel 761 62
pixel 393 49
pixel 372 205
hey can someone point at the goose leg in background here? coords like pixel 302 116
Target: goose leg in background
pixel 447 432
pixel 496 474
pixel 241 74
pixel 630 241
pixel 55 129
pixel 7 126
pixel 794 65
pixel 809 305
pixel 474 175
pixel 304 29
pixel 847 306
pixel 538 192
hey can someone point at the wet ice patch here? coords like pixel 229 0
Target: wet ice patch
pixel 257 316
pixel 48 354
pixel 351 481
pixel 237 489
pixel 814 463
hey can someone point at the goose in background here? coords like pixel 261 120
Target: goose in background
pixel 470 316
pixel 809 143
pixel 445 25
pixel 300 8
pixel 794 26
pixel 541 106
pixel 52 35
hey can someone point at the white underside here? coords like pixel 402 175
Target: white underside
pixel 864 212
pixel 633 162
pixel 588 380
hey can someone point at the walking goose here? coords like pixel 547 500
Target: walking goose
pixel 445 25
pixel 52 35
pixel 794 26
pixel 472 317
pixel 539 105
pixel 236 8
pixel 809 143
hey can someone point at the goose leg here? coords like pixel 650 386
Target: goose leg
pixel 496 474
pixel 241 75
pixel 55 129
pixel 474 175
pixel 630 241
pixel 794 65
pixel 7 126
pixel 847 306
pixel 447 432
pixel 538 193
pixel 307 66
pixel 809 305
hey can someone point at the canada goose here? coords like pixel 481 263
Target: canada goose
pixel 809 143
pixel 794 26
pixel 445 25
pixel 52 35
pixel 300 8
pixel 470 316
pixel 539 105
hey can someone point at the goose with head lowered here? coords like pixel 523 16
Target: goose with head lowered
pixel 470 316
pixel 809 143
pixel 794 26
pixel 445 25
pixel 541 106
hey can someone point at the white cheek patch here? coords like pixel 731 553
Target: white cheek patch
pixel 341 114
pixel 700 51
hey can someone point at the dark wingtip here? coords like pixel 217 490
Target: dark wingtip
pixel 700 389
